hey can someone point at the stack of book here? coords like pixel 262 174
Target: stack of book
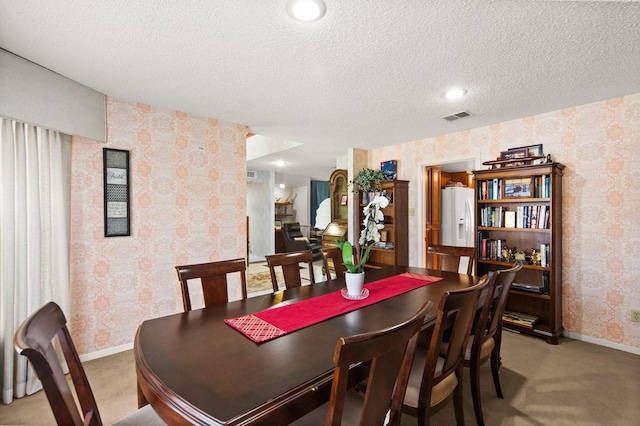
pixel 520 319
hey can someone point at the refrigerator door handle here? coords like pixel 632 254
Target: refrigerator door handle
pixel 468 218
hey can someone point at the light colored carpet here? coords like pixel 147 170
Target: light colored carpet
pixel 574 383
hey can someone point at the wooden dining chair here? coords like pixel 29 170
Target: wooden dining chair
pixel 213 278
pixel 436 377
pixel 447 258
pixel 33 339
pixel 390 352
pixel 290 264
pixel 333 254
pixel 484 344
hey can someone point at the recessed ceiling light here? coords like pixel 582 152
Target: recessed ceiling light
pixel 280 163
pixel 455 93
pixel 306 10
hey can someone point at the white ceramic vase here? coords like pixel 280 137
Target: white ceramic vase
pixel 355 282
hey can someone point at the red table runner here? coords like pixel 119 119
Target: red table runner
pixel 278 321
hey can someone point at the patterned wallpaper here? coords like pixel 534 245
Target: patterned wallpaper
pixel 188 184
pixel 599 144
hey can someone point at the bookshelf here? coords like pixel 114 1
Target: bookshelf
pixel 283 210
pixel 519 210
pixel 396 225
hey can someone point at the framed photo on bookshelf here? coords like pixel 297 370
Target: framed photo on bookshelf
pixel 513 154
pixel 517 187
pixel 532 150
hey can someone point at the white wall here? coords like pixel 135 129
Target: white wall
pixel 260 210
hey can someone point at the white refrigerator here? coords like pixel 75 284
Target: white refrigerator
pixel 456 217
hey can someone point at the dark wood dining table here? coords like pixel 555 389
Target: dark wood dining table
pixel 193 368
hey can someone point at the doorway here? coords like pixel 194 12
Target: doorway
pixel 432 178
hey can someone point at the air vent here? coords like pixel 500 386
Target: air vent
pixel 457 116
pixel 252 175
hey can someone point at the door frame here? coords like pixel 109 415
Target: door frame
pixel 463 162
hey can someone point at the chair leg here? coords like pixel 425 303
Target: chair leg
pixel 457 402
pixel 474 374
pixel 495 369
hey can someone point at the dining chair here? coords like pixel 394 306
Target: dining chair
pixel 290 264
pixel 390 352
pixel 436 377
pixel 33 339
pixel 484 344
pixel 213 278
pixel 449 257
pixel 333 254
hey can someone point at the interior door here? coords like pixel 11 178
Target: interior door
pixel 432 179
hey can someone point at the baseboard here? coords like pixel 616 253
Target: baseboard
pixel 602 342
pixel 106 352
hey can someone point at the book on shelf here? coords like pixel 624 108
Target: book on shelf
pixel 518 318
pixel 509 219
pixel 530 288
pixel 545 255
pixel 383 245
pixel 545 282
pixel 542 217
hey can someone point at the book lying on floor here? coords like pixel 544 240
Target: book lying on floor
pixel 520 319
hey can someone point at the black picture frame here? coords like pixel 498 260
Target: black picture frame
pixel 514 154
pixel 117 212
pixel 532 150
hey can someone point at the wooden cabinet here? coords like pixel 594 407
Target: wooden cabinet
pixel 519 213
pixel 396 225
pixel 339 193
pixel 338 196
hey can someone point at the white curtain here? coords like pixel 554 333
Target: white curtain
pixel 34 237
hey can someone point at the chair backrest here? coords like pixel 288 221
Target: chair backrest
pixel 391 352
pixel 333 254
pixel 292 229
pixel 33 339
pixel 290 264
pixel 213 276
pixel 449 257
pixel 490 319
pixel 456 311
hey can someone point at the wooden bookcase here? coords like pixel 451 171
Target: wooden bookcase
pixel 529 191
pixel 396 225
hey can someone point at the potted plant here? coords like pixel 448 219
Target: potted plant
pixel 368 180
pixel 370 234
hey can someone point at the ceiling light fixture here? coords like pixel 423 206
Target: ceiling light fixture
pixel 455 93
pixel 306 10
pixel 280 163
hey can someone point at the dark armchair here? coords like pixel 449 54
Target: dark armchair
pixel 294 240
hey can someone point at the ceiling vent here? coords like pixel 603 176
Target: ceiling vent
pixel 457 116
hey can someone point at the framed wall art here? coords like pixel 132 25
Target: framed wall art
pixel 513 154
pixel 532 150
pixel 117 221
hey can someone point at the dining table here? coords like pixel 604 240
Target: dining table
pixel 195 368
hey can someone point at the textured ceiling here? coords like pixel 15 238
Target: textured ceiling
pixel 369 74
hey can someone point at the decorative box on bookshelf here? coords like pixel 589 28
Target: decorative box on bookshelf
pixel 519 217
